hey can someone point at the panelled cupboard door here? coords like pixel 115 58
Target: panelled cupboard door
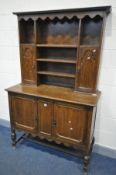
pixel 24 113
pixel 28 63
pixel 71 124
pixel 87 69
pixel 45 116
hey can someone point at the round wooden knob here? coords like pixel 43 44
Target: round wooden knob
pixel 88 58
pixel 45 105
pixel 69 121
pixel 94 50
pixel 71 129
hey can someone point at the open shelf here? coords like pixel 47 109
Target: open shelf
pixel 58 74
pixel 57 81
pixel 91 29
pixel 57 53
pixel 56 67
pixel 57 31
pixel 56 60
pixel 26 30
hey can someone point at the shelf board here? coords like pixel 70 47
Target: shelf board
pixel 89 46
pixel 57 45
pixel 27 43
pixel 56 60
pixel 57 74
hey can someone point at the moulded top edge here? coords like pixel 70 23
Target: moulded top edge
pixel 106 9
pixel 56 93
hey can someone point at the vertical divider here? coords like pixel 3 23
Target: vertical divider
pixel 19 45
pixel 78 47
pixel 35 43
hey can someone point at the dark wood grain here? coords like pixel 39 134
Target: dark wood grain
pixel 24 113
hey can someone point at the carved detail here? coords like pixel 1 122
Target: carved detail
pixel 41 137
pixel 28 63
pixel 27 56
pixel 27 53
pixel 89 55
pixel 60 16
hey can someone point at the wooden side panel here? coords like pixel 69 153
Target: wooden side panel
pixel 92 116
pixel 24 113
pixel 87 69
pixel 70 124
pixel 28 64
pixel 45 115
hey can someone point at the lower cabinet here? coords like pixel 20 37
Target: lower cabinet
pixel 63 123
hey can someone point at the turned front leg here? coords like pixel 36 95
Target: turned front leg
pixel 13 136
pixel 85 165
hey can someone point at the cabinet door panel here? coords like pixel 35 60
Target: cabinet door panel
pixel 24 113
pixel 28 66
pixel 45 114
pixel 88 68
pixel 70 123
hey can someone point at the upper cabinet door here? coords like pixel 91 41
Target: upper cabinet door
pixel 87 69
pixel 89 53
pixel 28 64
pixel 71 124
pixel 24 113
pixel 45 116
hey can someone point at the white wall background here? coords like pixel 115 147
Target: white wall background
pixel 10 65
